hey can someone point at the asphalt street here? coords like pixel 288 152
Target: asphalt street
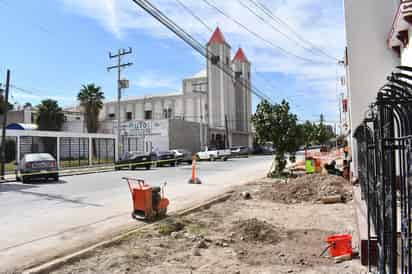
pixel 41 221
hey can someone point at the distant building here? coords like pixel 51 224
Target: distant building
pixel 222 116
pixel 74 119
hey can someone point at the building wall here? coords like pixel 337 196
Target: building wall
pixel 369 59
pixel 184 135
pixel 221 89
pixel 240 139
pixel 406 54
pixel 243 104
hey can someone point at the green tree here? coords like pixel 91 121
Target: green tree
pixel 10 106
pixel 91 99
pixel 308 133
pixel 49 115
pixel 10 150
pixel 323 133
pixel 276 124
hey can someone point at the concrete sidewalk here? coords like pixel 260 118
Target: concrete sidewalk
pixel 41 222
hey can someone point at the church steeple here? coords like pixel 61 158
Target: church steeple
pixel 217 37
pixel 240 56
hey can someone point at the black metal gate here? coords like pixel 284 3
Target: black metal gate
pixel 385 168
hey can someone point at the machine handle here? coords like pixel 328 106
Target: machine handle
pixel 130 180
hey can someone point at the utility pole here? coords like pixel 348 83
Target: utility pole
pixel 227 132
pixel 3 135
pixel 120 85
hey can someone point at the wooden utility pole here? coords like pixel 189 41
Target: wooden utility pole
pixel 3 135
pixel 227 133
pixel 120 85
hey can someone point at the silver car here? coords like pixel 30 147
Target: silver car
pixel 37 166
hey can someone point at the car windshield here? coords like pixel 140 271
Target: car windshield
pixel 39 157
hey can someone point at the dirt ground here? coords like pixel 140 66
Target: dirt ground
pixel 263 234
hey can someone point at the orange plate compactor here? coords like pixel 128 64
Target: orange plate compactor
pixel 149 202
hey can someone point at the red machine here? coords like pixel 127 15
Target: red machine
pixel 149 202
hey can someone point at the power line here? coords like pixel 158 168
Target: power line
pixel 277 19
pixel 194 15
pixel 195 44
pixel 272 26
pixel 270 43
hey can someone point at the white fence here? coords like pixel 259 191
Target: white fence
pixel 70 149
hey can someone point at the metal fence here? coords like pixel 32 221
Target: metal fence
pixel 71 150
pixel 384 143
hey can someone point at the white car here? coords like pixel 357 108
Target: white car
pixel 212 154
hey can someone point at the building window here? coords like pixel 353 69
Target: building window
pixel 167 113
pixel 129 116
pixel 112 116
pixel 227 60
pixel 148 115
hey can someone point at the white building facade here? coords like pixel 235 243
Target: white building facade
pixel 218 102
pixel 369 58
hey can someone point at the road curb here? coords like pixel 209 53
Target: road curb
pixel 85 252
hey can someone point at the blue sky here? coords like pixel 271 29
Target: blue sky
pixel 54 48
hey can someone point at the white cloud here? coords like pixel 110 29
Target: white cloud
pixel 317 20
pixel 152 80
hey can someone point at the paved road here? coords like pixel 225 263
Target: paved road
pixel 44 220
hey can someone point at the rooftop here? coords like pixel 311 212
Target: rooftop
pixel 217 37
pixel 240 56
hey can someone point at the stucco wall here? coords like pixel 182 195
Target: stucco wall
pixel 184 134
pixel 370 60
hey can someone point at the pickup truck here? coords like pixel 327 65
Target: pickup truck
pixel 213 154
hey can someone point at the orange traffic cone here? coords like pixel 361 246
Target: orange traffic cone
pixel 194 179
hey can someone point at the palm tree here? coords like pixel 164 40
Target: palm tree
pixel 91 99
pixel 50 116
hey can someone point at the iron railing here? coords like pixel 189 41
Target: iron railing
pixel 384 148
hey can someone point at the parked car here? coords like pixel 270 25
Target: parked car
pixel 239 151
pixel 165 158
pixel 212 154
pixel 263 150
pixel 183 155
pixel 37 166
pixel 135 159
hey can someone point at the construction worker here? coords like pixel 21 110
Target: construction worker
pixel 346 150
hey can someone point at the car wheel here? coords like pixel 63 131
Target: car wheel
pixel 172 164
pixel 133 167
pixel 18 179
pixel 56 177
pixel 212 158
pixel 148 167
pixel 25 179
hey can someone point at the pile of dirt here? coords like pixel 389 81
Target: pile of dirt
pixel 308 188
pixel 254 230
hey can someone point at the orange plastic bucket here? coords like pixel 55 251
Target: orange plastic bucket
pixel 340 245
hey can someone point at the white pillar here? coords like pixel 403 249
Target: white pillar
pixel 18 150
pixel 58 152
pixel 90 151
